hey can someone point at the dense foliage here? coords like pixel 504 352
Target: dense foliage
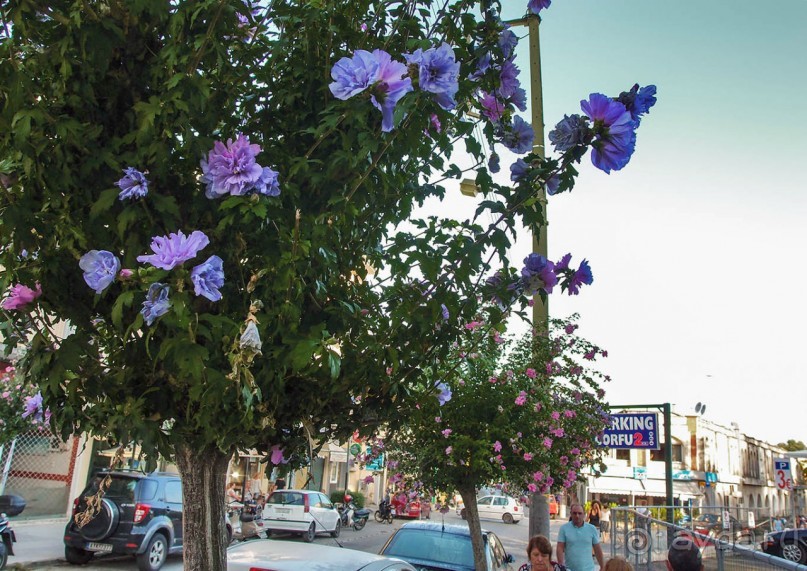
pixel 220 198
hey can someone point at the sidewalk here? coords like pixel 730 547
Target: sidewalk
pixel 39 543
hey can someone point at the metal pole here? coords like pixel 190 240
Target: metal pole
pixel 668 462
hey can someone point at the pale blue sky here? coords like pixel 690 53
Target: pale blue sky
pixel 697 246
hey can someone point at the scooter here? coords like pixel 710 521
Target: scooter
pixel 353 517
pixel 9 506
pixel 245 520
pixel 384 512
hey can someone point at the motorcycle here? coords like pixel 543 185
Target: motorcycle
pixel 9 506
pixel 245 520
pixel 352 516
pixel 384 512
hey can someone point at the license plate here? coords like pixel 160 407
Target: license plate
pixel 102 547
pixel 283 510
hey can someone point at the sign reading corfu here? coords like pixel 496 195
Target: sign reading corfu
pixel 631 430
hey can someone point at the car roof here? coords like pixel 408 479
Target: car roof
pixel 289 555
pixel 439 527
pixel 297 491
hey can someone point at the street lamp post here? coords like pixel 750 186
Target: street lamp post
pixel 539 508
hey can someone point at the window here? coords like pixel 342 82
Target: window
pixel 677 452
pixel 333 472
pixel 485 501
pixel 500 501
pixel 623 455
pixel 173 492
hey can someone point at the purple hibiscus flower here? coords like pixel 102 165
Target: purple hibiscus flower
pixel 507 41
pixel 390 87
pixel 34 407
pixel 494 165
pixel 100 268
pixel 267 184
pixel 208 277
pixel 445 393
pixel 518 137
pixel 20 295
pixel 638 100
pixel 552 185
pixel 538 274
pixel 535 6
pixel 133 184
pixel 582 276
pixel 156 303
pixel 614 132
pixel 563 264
pixel 570 131
pixel 508 77
pixel 492 107
pixel 376 71
pixel 277 456
pixel 437 72
pixel 518 170
pixel 175 249
pixel 231 168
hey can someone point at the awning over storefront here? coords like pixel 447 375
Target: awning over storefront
pixel 647 487
pixel 333 453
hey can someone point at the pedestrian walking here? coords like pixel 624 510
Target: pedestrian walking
pixel 684 555
pixel 605 521
pixel 576 540
pixel 539 553
pixel 594 514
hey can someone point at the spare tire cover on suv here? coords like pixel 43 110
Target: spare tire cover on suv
pixel 103 524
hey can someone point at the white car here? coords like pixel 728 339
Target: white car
pixel 505 508
pixel 272 555
pixel 301 511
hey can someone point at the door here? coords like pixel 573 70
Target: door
pixel 173 505
pixel 484 506
pixel 324 512
pixel 499 507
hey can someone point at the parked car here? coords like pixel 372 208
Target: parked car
pixel 439 547
pixel 140 515
pixel 272 555
pixel 790 544
pixel 505 508
pixel 301 511
pixel 709 527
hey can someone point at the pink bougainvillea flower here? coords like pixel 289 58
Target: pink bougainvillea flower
pixel 19 296
pixel 449 450
pixel 277 455
pixel 547 442
pixel 527 456
pixel 521 399
pixel 497 446
pixel 530 373
pixel 447 432
pixel 538 476
pixel 369 479
pixel 532 488
pixel 555 415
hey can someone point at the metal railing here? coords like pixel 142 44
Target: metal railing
pixel 727 543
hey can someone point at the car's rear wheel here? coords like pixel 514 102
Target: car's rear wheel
pixel 76 556
pixel 309 535
pixel 793 551
pixel 507 518
pixel 155 554
pixel 337 529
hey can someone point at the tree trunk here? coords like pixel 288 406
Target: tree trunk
pixel 468 494
pixel 204 477
pixel 539 515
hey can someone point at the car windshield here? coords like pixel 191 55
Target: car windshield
pixel 286 498
pixel 120 487
pixel 432 546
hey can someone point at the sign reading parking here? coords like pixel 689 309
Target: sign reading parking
pixel 781 473
pixel 631 430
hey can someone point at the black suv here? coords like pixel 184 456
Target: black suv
pixel 141 515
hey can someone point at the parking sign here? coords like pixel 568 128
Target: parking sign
pixel 781 473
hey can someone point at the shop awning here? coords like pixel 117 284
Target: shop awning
pixel 647 487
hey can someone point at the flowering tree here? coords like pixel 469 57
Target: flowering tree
pixel 522 413
pixel 213 195
pixel 21 407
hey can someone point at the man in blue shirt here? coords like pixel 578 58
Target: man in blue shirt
pixel 576 540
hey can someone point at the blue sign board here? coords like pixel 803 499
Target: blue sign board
pixel 631 430
pixel 374 464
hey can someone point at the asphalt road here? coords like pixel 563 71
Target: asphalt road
pixel 371 539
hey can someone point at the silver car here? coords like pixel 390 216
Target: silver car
pixel 272 555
